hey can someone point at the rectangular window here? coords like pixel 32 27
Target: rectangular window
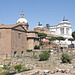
pixel 67 30
pixel 62 30
pixel 15 53
pixel 19 35
pixel 21 53
pixel 0 35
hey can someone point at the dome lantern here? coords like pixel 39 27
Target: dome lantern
pixel 22 15
pixel 22 19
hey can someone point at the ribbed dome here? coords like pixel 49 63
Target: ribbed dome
pixel 22 19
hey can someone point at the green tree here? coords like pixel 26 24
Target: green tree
pixel 49 44
pixel 36 47
pixel 42 35
pixel 73 34
pixel 41 43
pixel 71 39
pixel 52 38
pixel 60 38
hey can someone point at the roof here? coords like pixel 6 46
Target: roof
pixel 10 26
pixel 32 31
pixel 32 37
pixel 64 22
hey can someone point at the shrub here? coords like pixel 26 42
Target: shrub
pixel 5 72
pixel 29 50
pixel 34 56
pixel 18 67
pixel 25 69
pixel 5 67
pixel 49 51
pixel 44 55
pixel 36 47
pixel 66 58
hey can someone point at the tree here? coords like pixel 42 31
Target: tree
pixel 52 38
pixel 71 39
pixel 60 38
pixel 42 35
pixel 36 47
pixel 73 34
pixel 41 43
pixel 49 44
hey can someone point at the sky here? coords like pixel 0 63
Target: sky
pixel 44 11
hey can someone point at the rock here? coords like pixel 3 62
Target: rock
pixel 63 71
pixel 67 71
pixel 59 70
pixel 73 66
pixel 46 72
pixel 72 71
pixel 52 72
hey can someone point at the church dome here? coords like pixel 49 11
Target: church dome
pixel 22 19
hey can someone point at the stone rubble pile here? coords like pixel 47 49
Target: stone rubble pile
pixel 60 70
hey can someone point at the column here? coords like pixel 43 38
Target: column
pixel 64 30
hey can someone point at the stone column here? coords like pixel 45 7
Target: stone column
pixel 64 30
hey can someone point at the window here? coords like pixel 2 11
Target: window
pixel 19 35
pixel 21 53
pixel 62 30
pixel 0 35
pixel 67 30
pixel 15 53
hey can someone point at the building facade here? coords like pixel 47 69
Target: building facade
pixel 63 29
pixel 16 39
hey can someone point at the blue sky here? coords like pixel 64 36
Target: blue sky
pixel 44 11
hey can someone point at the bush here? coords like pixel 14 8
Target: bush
pixel 66 58
pixel 25 69
pixel 5 72
pixel 34 56
pixel 5 67
pixel 44 55
pixel 29 50
pixel 36 47
pixel 18 67
pixel 49 51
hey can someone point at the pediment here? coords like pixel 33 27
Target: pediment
pixel 19 27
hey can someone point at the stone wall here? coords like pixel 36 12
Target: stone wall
pixel 5 43
pixel 18 44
